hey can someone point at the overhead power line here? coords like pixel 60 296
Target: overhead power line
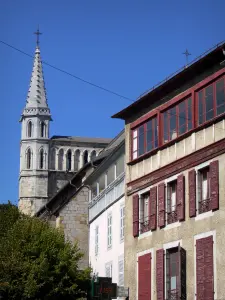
pixel 70 74
pixel 83 80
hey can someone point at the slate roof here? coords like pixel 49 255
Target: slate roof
pixel 81 139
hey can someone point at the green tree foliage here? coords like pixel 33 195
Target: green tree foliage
pixel 36 262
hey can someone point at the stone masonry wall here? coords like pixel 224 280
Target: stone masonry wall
pixel 73 219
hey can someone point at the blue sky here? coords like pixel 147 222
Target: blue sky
pixel 124 46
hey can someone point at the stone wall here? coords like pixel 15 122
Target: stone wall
pixel 73 219
pixel 56 180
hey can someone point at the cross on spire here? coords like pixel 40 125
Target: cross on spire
pixel 186 53
pixel 38 33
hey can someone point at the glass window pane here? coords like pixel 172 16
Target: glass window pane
pixel 189 114
pixel 141 140
pixel 135 133
pixel 156 133
pixel 150 136
pixel 220 97
pixel 209 102
pixel 135 144
pixel 200 108
pixel 182 117
pixel 165 129
pixel 172 121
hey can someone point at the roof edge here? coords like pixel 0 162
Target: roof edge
pixel 121 114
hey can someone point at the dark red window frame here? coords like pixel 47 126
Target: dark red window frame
pixel 146 136
pixel 190 93
pixel 177 118
pixel 206 109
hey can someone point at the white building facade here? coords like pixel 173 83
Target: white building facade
pixel 106 217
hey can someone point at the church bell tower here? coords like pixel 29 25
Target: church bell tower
pixel 34 146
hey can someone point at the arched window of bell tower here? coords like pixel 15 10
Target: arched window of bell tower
pixel 85 157
pixel 60 159
pixel 68 160
pixel 28 158
pixel 41 159
pixel 53 159
pixel 43 129
pixel 77 160
pixel 29 129
pixel 93 154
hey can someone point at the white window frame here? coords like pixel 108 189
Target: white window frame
pixel 198 237
pixel 152 270
pixel 109 232
pixel 121 260
pixel 108 265
pixel 208 213
pixel 175 224
pixel 147 233
pixel 96 240
pixel 122 218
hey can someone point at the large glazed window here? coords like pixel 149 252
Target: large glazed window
pixel 145 138
pixel 177 120
pixel 211 101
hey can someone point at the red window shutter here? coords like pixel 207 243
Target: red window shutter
pixel 160 274
pixel 182 273
pixel 214 184
pixel 204 269
pixel 135 215
pixel 144 277
pixel 180 197
pixel 161 204
pixel 153 208
pixel 192 193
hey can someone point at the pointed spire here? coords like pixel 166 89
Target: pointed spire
pixel 37 94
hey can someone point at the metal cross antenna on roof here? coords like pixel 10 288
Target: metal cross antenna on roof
pixel 38 33
pixel 186 53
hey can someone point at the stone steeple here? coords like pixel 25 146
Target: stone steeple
pixel 34 146
pixel 37 94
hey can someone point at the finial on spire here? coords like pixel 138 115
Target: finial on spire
pixel 186 53
pixel 37 34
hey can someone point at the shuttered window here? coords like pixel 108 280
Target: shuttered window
pixel 108 269
pixel 204 269
pixel 135 215
pixel 109 231
pixel 144 277
pixel 153 208
pixel 144 212
pixel 121 270
pixel 122 208
pixel 96 239
pixel 161 204
pixel 172 202
pixel 206 191
pixel 173 285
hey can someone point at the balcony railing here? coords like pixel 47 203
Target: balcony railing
pixel 172 295
pixel 204 205
pixel 172 217
pixel 107 196
pixel 144 226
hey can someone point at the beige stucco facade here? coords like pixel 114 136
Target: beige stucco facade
pixel 185 232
